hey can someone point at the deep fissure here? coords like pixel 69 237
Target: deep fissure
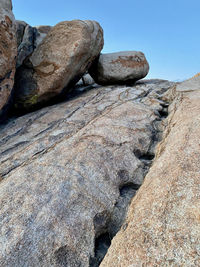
pixel 127 192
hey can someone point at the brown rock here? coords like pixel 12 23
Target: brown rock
pixel 58 62
pixel 119 68
pixel 69 171
pixel 8 52
pixel 163 224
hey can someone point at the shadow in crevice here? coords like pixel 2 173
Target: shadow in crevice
pixel 126 188
pixel 147 157
pixel 102 243
pixel 163 113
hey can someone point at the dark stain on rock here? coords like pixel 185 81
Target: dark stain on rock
pixel 40 69
pixel 64 257
pixel 101 221
pixel 7 76
pixel 123 175
pixel 130 61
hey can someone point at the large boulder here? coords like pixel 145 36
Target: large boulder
pixel 58 62
pixel 119 68
pixel 68 172
pixel 163 224
pixel 8 52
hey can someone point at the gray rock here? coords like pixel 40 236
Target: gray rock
pixel 28 38
pixel 62 171
pixel 119 68
pixel 86 80
pixel 58 62
pixel 8 51
pixel 21 25
pixel 26 47
pixel 6 4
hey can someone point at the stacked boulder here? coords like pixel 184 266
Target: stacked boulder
pixel 68 172
pixel 49 61
pixel 8 53
pixel 119 68
pixel 58 62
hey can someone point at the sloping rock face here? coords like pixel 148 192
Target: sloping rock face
pixel 8 52
pixel 58 62
pixel 119 68
pixel 69 170
pixel 163 224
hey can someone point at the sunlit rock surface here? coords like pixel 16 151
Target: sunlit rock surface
pixel 68 172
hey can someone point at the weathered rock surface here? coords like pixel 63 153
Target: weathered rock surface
pixel 20 25
pixel 26 46
pixel 28 39
pixel 8 52
pixel 58 62
pixel 67 171
pixel 163 224
pixel 119 68
pixel 40 33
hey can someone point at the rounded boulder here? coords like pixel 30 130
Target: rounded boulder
pixel 119 68
pixel 58 62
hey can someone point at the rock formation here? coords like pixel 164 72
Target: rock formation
pixel 58 62
pixel 119 68
pixel 71 171
pixel 8 52
pixel 68 172
pixel 163 224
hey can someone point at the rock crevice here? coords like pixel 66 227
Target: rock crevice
pixel 74 169
pixel 162 227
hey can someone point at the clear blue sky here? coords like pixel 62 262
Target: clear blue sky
pixel 167 31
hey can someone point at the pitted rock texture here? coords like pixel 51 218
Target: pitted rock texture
pixel 119 68
pixel 67 170
pixel 8 52
pixel 163 224
pixel 58 62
